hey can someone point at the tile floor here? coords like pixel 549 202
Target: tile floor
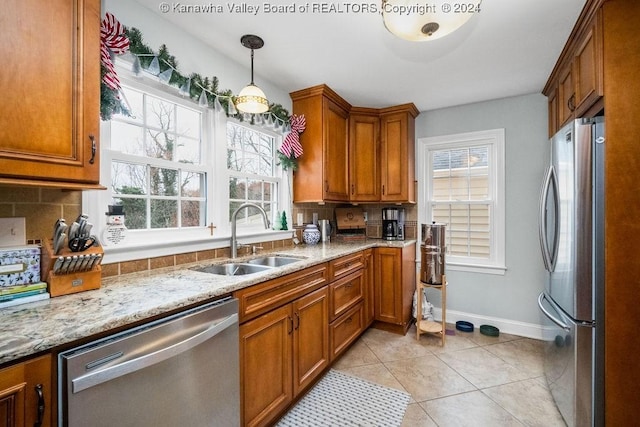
pixel 474 380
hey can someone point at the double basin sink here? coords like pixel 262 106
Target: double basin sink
pixel 251 266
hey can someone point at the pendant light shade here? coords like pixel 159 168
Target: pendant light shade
pixel 251 98
pixel 412 21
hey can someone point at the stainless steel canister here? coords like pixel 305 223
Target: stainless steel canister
pixel 432 251
pixel 325 229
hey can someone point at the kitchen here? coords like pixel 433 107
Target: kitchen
pixel 500 297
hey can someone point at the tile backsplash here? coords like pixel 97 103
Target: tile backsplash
pixel 40 207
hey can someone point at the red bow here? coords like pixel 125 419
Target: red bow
pixel 291 142
pixel 112 38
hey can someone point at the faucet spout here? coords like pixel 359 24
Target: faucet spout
pixel 234 220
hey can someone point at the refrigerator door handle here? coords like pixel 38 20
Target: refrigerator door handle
pixel 549 181
pixel 551 317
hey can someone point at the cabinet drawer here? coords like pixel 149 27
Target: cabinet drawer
pixel 345 292
pixel 345 330
pixel 261 298
pixel 345 265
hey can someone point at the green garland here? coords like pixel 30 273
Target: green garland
pixel 110 102
pixel 287 162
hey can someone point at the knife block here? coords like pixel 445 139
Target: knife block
pixel 70 283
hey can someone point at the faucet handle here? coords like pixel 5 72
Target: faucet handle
pixel 254 249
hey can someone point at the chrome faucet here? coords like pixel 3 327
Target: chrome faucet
pixel 234 216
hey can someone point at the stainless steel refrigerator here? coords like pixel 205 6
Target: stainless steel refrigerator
pixel 572 243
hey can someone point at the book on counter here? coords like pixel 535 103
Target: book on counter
pixel 21 294
pixel 25 299
pixel 15 289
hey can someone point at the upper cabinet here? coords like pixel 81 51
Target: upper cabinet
pixel 397 158
pixel 49 120
pixel 575 87
pixel 364 155
pixel 353 154
pixel 323 169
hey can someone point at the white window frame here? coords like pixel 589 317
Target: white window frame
pixel 141 244
pixel 495 140
pixel 277 178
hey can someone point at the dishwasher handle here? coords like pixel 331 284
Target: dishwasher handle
pixel 107 374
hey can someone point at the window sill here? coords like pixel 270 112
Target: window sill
pixel 483 269
pixel 183 244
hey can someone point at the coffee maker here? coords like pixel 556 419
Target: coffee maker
pixel 393 223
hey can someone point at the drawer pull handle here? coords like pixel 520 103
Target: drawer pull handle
pixel 93 148
pixel 40 412
pixel 349 320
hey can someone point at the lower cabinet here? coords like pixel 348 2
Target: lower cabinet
pixel 394 285
pixel 282 352
pixel 369 306
pixel 25 394
pixel 346 312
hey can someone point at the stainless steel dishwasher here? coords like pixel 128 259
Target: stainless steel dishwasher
pixel 179 371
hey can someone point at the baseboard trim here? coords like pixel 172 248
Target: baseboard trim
pixel 513 327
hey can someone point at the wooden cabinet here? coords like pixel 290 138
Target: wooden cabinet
pixel 394 285
pixel 364 155
pixel 367 279
pixel 354 154
pixel 346 302
pixel 575 87
pixel 25 393
pixel 281 353
pixel 49 119
pixel 397 158
pixel 323 169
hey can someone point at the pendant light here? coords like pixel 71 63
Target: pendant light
pixel 251 98
pixel 429 21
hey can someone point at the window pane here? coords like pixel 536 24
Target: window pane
pixel 127 178
pixel 163 182
pixel 188 150
pixel 136 102
pixel 468 228
pixel 135 212
pixel 164 213
pixel 160 113
pixel 237 188
pixel 188 122
pixel 255 190
pixel 192 184
pixel 160 144
pixel 127 138
pixel 192 214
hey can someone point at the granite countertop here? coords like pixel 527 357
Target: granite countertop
pixel 39 326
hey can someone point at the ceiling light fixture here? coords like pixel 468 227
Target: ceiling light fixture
pixel 427 21
pixel 251 98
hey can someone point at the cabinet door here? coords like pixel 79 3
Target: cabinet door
pixel 388 285
pixel 49 119
pixel 397 158
pixel 336 152
pixel 589 67
pixel 265 366
pixel 364 164
pixel 310 338
pixel 25 393
pixel 368 286
pixel 566 96
pixel 553 112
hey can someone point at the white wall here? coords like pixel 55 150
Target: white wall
pixel 192 54
pixel 508 301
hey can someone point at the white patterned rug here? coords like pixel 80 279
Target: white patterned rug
pixel 339 400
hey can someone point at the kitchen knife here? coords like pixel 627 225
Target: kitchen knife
pixel 73 230
pixel 84 262
pixel 72 265
pixel 58 264
pixel 58 243
pixel 64 269
pixel 56 228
